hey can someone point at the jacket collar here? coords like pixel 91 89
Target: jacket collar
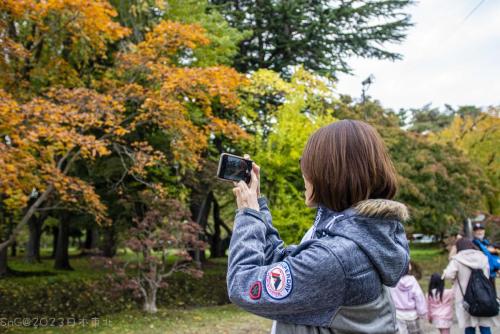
pixel 382 208
pixel 371 208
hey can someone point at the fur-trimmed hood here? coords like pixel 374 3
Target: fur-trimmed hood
pixel 374 225
pixel 382 208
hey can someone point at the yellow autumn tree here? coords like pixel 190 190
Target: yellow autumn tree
pixel 53 42
pixel 152 87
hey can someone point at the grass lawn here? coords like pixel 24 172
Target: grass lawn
pixel 210 320
pixel 431 259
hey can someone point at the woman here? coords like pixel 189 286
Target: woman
pixel 333 282
pixel 459 269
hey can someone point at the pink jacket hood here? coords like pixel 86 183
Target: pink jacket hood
pixel 406 283
pixel 407 295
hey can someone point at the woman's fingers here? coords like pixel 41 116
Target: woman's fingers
pixel 242 185
pixel 254 181
pixel 255 167
pixel 254 184
pixel 246 196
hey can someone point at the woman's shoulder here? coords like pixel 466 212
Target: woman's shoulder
pixel 471 258
pixel 340 246
pixel 349 255
pixel 337 246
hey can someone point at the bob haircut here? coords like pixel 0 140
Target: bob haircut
pixel 347 162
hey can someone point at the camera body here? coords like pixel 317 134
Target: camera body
pixel 234 168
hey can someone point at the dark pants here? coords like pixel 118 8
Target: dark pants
pixel 482 330
pixel 492 280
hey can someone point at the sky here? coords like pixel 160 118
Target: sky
pixel 448 58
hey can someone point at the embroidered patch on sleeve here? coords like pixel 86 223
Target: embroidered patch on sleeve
pixel 255 290
pixel 279 281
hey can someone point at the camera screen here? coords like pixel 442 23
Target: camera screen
pixel 235 169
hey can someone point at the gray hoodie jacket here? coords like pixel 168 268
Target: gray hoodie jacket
pixel 334 282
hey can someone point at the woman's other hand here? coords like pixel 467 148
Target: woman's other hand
pixel 246 196
pixel 256 170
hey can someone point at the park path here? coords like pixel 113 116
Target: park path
pixel 429 329
pixel 263 326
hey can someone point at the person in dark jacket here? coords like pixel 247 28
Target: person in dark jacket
pixel 336 279
pixel 488 249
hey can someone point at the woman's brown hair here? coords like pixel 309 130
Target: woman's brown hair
pixel 465 244
pixel 347 162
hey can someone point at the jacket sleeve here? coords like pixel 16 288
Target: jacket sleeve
pixel 311 278
pixel 451 270
pixel 496 263
pixel 275 249
pixel 492 259
pixel 420 301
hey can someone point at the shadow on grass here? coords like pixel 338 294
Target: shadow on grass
pixel 17 273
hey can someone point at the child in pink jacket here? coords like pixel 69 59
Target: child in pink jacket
pixel 440 301
pixel 410 304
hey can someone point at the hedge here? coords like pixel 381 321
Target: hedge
pixel 85 297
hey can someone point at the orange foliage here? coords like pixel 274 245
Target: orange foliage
pixel 171 92
pixel 39 37
pixel 91 20
pixel 42 135
pixel 169 38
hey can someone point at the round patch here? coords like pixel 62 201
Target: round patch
pixel 279 281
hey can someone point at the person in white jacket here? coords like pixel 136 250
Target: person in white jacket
pixel 459 270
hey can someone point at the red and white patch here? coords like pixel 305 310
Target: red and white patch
pixel 255 290
pixel 279 281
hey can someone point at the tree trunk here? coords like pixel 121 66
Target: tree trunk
pixel 150 302
pixel 4 232
pixel 33 245
pixel 217 245
pixel 4 268
pixel 467 228
pixel 109 242
pixel 202 220
pixel 91 238
pixel 13 249
pixel 55 234
pixel 62 250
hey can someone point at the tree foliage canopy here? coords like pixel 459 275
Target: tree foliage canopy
pixel 320 35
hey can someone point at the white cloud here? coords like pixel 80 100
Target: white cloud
pixel 446 59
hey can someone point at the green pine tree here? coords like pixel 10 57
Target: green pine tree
pixel 318 34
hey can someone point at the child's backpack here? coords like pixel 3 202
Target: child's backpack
pixel 480 298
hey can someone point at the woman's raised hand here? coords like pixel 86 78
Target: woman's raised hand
pixel 256 170
pixel 246 195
